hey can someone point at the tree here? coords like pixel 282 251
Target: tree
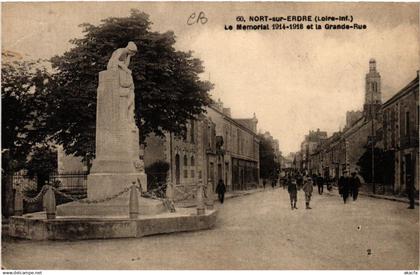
pixel 24 87
pixel 269 167
pixel 156 174
pixel 42 164
pixel 168 90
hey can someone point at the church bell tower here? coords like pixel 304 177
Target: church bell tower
pixel 373 97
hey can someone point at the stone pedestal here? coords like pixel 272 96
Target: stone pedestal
pixel 117 164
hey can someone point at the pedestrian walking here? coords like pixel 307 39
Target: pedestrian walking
pixel 314 179
pixel 299 180
pixel 221 189
pixel 308 189
pixel 343 186
pixel 410 191
pixel 320 183
pixel 264 183
pixel 273 183
pixel 329 183
pixel 355 185
pixel 292 189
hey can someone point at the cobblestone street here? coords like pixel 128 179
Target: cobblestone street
pixel 257 231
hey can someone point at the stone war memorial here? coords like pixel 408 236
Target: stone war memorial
pixel 115 206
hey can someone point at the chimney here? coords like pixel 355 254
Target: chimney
pixel 219 105
pixel 226 111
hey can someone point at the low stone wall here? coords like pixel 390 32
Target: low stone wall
pixel 37 227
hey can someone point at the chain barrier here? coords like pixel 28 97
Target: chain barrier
pixel 169 204
pixel 192 193
pixel 70 197
pixel 156 193
pixel 38 197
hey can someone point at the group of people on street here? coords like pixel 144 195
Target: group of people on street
pixel 349 186
pixel 293 190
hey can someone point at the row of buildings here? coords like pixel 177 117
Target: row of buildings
pixel 214 147
pixel 391 127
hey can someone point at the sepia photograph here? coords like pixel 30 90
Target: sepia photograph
pixel 210 136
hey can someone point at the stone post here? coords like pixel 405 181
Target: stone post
pixel 49 203
pixel 170 191
pixel 209 195
pixel 134 202
pixel 18 203
pixel 200 202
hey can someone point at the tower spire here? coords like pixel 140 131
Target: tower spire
pixel 373 96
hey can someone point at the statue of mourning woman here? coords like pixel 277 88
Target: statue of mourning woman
pixel 120 59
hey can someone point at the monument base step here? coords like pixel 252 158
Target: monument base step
pixel 35 226
pixel 104 185
pixel 116 207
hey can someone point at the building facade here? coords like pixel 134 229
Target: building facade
pixel 308 147
pixel 237 162
pixel 401 135
pixel 215 147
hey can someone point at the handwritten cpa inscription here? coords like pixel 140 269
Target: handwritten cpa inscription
pixel 197 18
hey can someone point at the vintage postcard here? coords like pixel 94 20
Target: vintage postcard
pixel 210 136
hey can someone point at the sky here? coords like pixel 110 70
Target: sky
pixel 294 80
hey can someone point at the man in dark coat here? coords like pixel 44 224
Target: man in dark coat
pixel 299 180
pixel 328 180
pixel 314 179
pixel 320 183
pixel 410 191
pixel 355 185
pixel 292 189
pixel 308 189
pixel 343 186
pixel 221 189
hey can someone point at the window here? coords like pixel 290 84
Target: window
pixel 177 169
pixel 192 161
pixel 209 135
pixel 227 140
pixel 192 174
pixel 192 132
pixel 185 174
pixel 238 138
pixel 407 123
pixel 185 160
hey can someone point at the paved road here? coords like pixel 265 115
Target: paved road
pixel 258 231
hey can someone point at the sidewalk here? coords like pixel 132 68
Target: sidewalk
pixel 384 197
pixel 228 195
pixel 387 197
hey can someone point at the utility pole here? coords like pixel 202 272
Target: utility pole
pixel 372 144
